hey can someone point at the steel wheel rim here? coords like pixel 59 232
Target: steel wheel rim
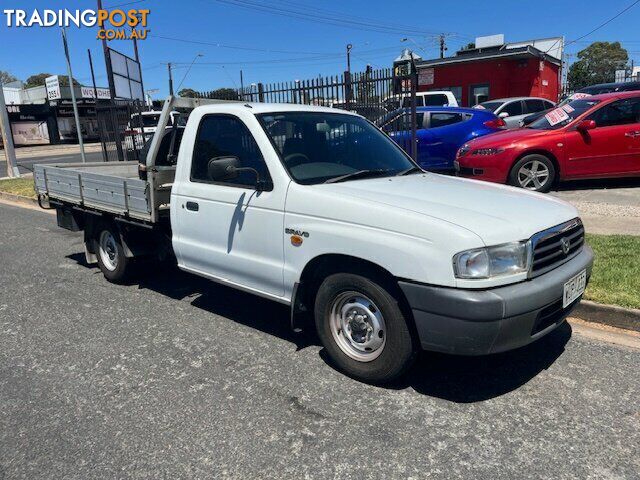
pixel 108 250
pixel 357 326
pixel 533 175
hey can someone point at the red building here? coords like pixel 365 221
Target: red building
pixel 501 71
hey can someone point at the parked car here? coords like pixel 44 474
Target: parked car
pixel 319 210
pixel 591 90
pixel 593 137
pixel 513 110
pixel 142 126
pixel 441 132
pixel 434 98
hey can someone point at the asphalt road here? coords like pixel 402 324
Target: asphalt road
pixel 175 377
pixel 25 165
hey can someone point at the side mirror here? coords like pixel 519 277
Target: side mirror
pixel 503 115
pixel 220 169
pixel 586 125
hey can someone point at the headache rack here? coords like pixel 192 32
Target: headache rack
pixel 555 246
pixel 116 187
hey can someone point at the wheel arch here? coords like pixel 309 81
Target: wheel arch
pixel 544 153
pixel 321 266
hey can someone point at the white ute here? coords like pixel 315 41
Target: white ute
pixel 318 209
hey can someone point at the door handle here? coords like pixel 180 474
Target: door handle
pixel 193 206
pixel 633 134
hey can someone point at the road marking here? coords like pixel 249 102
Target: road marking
pixel 605 333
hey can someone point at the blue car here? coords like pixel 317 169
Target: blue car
pixel 441 132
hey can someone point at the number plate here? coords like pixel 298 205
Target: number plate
pixel 574 288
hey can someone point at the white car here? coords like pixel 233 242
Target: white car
pixel 321 211
pixel 143 125
pixel 442 98
pixel 514 110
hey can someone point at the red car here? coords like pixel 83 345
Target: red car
pixel 592 137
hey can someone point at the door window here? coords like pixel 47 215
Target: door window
pixel 621 112
pixel 436 100
pixel 513 109
pixel 442 119
pixel 534 106
pixel 226 136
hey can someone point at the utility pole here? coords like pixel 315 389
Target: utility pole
pixel 241 86
pixel 7 137
pixel 443 46
pixel 73 94
pixel 170 79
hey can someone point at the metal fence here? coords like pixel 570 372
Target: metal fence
pixel 382 96
pixel 121 128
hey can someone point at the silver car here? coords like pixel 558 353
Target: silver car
pixel 513 110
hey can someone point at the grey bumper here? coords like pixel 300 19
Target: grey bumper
pixel 478 322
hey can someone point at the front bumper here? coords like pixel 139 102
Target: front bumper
pixel 479 322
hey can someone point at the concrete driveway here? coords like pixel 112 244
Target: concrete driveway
pixel 175 377
pixel 606 206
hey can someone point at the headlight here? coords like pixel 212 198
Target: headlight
pixel 507 259
pixel 487 151
pixel 462 151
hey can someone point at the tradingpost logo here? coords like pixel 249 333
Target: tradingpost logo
pixel 113 24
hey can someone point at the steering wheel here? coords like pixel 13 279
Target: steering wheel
pixel 295 159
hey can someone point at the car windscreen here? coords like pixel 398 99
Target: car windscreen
pixel 147 120
pixel 492 106
pixel 561 116
pixel 316 147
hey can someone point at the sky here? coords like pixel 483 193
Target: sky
pixel 285 40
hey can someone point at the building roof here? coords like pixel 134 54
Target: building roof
pixel 511 53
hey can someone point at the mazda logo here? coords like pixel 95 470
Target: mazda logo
pixel 565 244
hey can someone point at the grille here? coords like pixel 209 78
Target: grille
pixel 555 246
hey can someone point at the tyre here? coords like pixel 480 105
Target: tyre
pixel 363 329
pixel 114 264
pixel 533 172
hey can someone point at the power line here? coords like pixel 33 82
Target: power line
pixel 331 18
pixel 604 23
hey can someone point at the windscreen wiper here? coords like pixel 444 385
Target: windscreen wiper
pixel 359 174
pixel 409 171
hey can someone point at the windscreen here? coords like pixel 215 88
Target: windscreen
pixel 564 115
pixel 316 147
pixel 491 106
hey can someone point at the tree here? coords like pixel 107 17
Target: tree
pixel 597 64
pixel 224 94
pixel 39 79
pixel 6 77
pixel 188 92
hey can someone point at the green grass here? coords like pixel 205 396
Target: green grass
pixel 616 271
pixel 18 186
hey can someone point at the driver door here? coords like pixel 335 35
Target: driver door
pixel 228 230
pixel 610 149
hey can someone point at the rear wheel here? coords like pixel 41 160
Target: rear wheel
pixel 533 172
pixel 362 328
pixel 111 258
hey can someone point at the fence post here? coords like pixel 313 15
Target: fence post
pixel 348 93
pixel 261 93
pixel 413 80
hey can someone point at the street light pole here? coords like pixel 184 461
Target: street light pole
pixel 7 137
pixel 349 47
pixel 73 94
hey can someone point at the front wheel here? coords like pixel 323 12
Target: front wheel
pixel 533 172
pixel 362 328
pixel 112 260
